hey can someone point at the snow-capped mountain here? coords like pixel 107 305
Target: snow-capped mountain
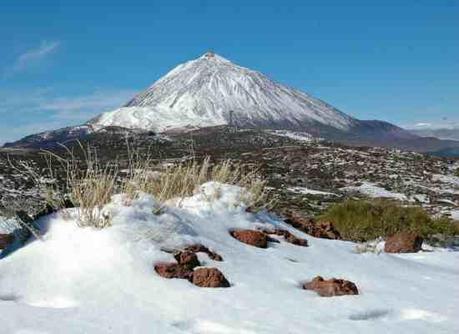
pixel 211 91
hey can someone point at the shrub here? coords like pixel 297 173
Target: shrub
pixel 363 220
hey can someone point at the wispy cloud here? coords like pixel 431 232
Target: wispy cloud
pixel 33 56
pixel 24 113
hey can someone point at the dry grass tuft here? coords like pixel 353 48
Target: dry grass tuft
pixel 182 180
pixel 88 185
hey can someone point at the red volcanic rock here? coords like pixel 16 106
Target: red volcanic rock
pixel 209 278
pixel 289 237
pixel 173 270
pixel 403 242
pixel 331 287
pixel 318 229
pixel 251 237
pixel 5 240
pixel 198 248
pixel 187 259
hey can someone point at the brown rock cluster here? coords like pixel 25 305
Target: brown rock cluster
pixel 331 287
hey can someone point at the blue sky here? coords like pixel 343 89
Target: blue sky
pixel 62 62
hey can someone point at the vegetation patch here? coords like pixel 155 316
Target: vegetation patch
pixel 364 220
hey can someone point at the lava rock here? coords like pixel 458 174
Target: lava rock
pixel 403 242
pixel 198 248
pixel 173 270
pixel 331 287
pixel 251 237
pixel 209 278
pixel 317 229
pixel 187 259
pixel 6 240
pixel 289 237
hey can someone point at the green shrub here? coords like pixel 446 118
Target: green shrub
pixel 363 220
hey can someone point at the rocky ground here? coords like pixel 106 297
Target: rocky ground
pixel 304 174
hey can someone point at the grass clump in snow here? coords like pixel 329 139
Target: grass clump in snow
pixel 364 220
pixel 88 184
pixel 181 180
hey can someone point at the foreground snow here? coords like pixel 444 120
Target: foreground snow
pixel 86 281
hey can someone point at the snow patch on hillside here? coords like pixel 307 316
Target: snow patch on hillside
pixel 80 280
pixel 374 191
pixel 307 191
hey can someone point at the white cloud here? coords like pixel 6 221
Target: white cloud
pixel 24 113
pixel 434 125
pixel 33 56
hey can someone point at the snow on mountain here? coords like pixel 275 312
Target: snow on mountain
pixel 81 280
pixel 211 90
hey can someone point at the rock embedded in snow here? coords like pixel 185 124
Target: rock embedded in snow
pixel 173 270
pixel 289 237
pixel 198 248
pixel 209 278
pixel 331 287
pixel 403 242
pixel 187 259
pixel 6 240
pixel 251 237
pixel 318 229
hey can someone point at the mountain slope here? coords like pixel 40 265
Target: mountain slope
pixel 204 92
